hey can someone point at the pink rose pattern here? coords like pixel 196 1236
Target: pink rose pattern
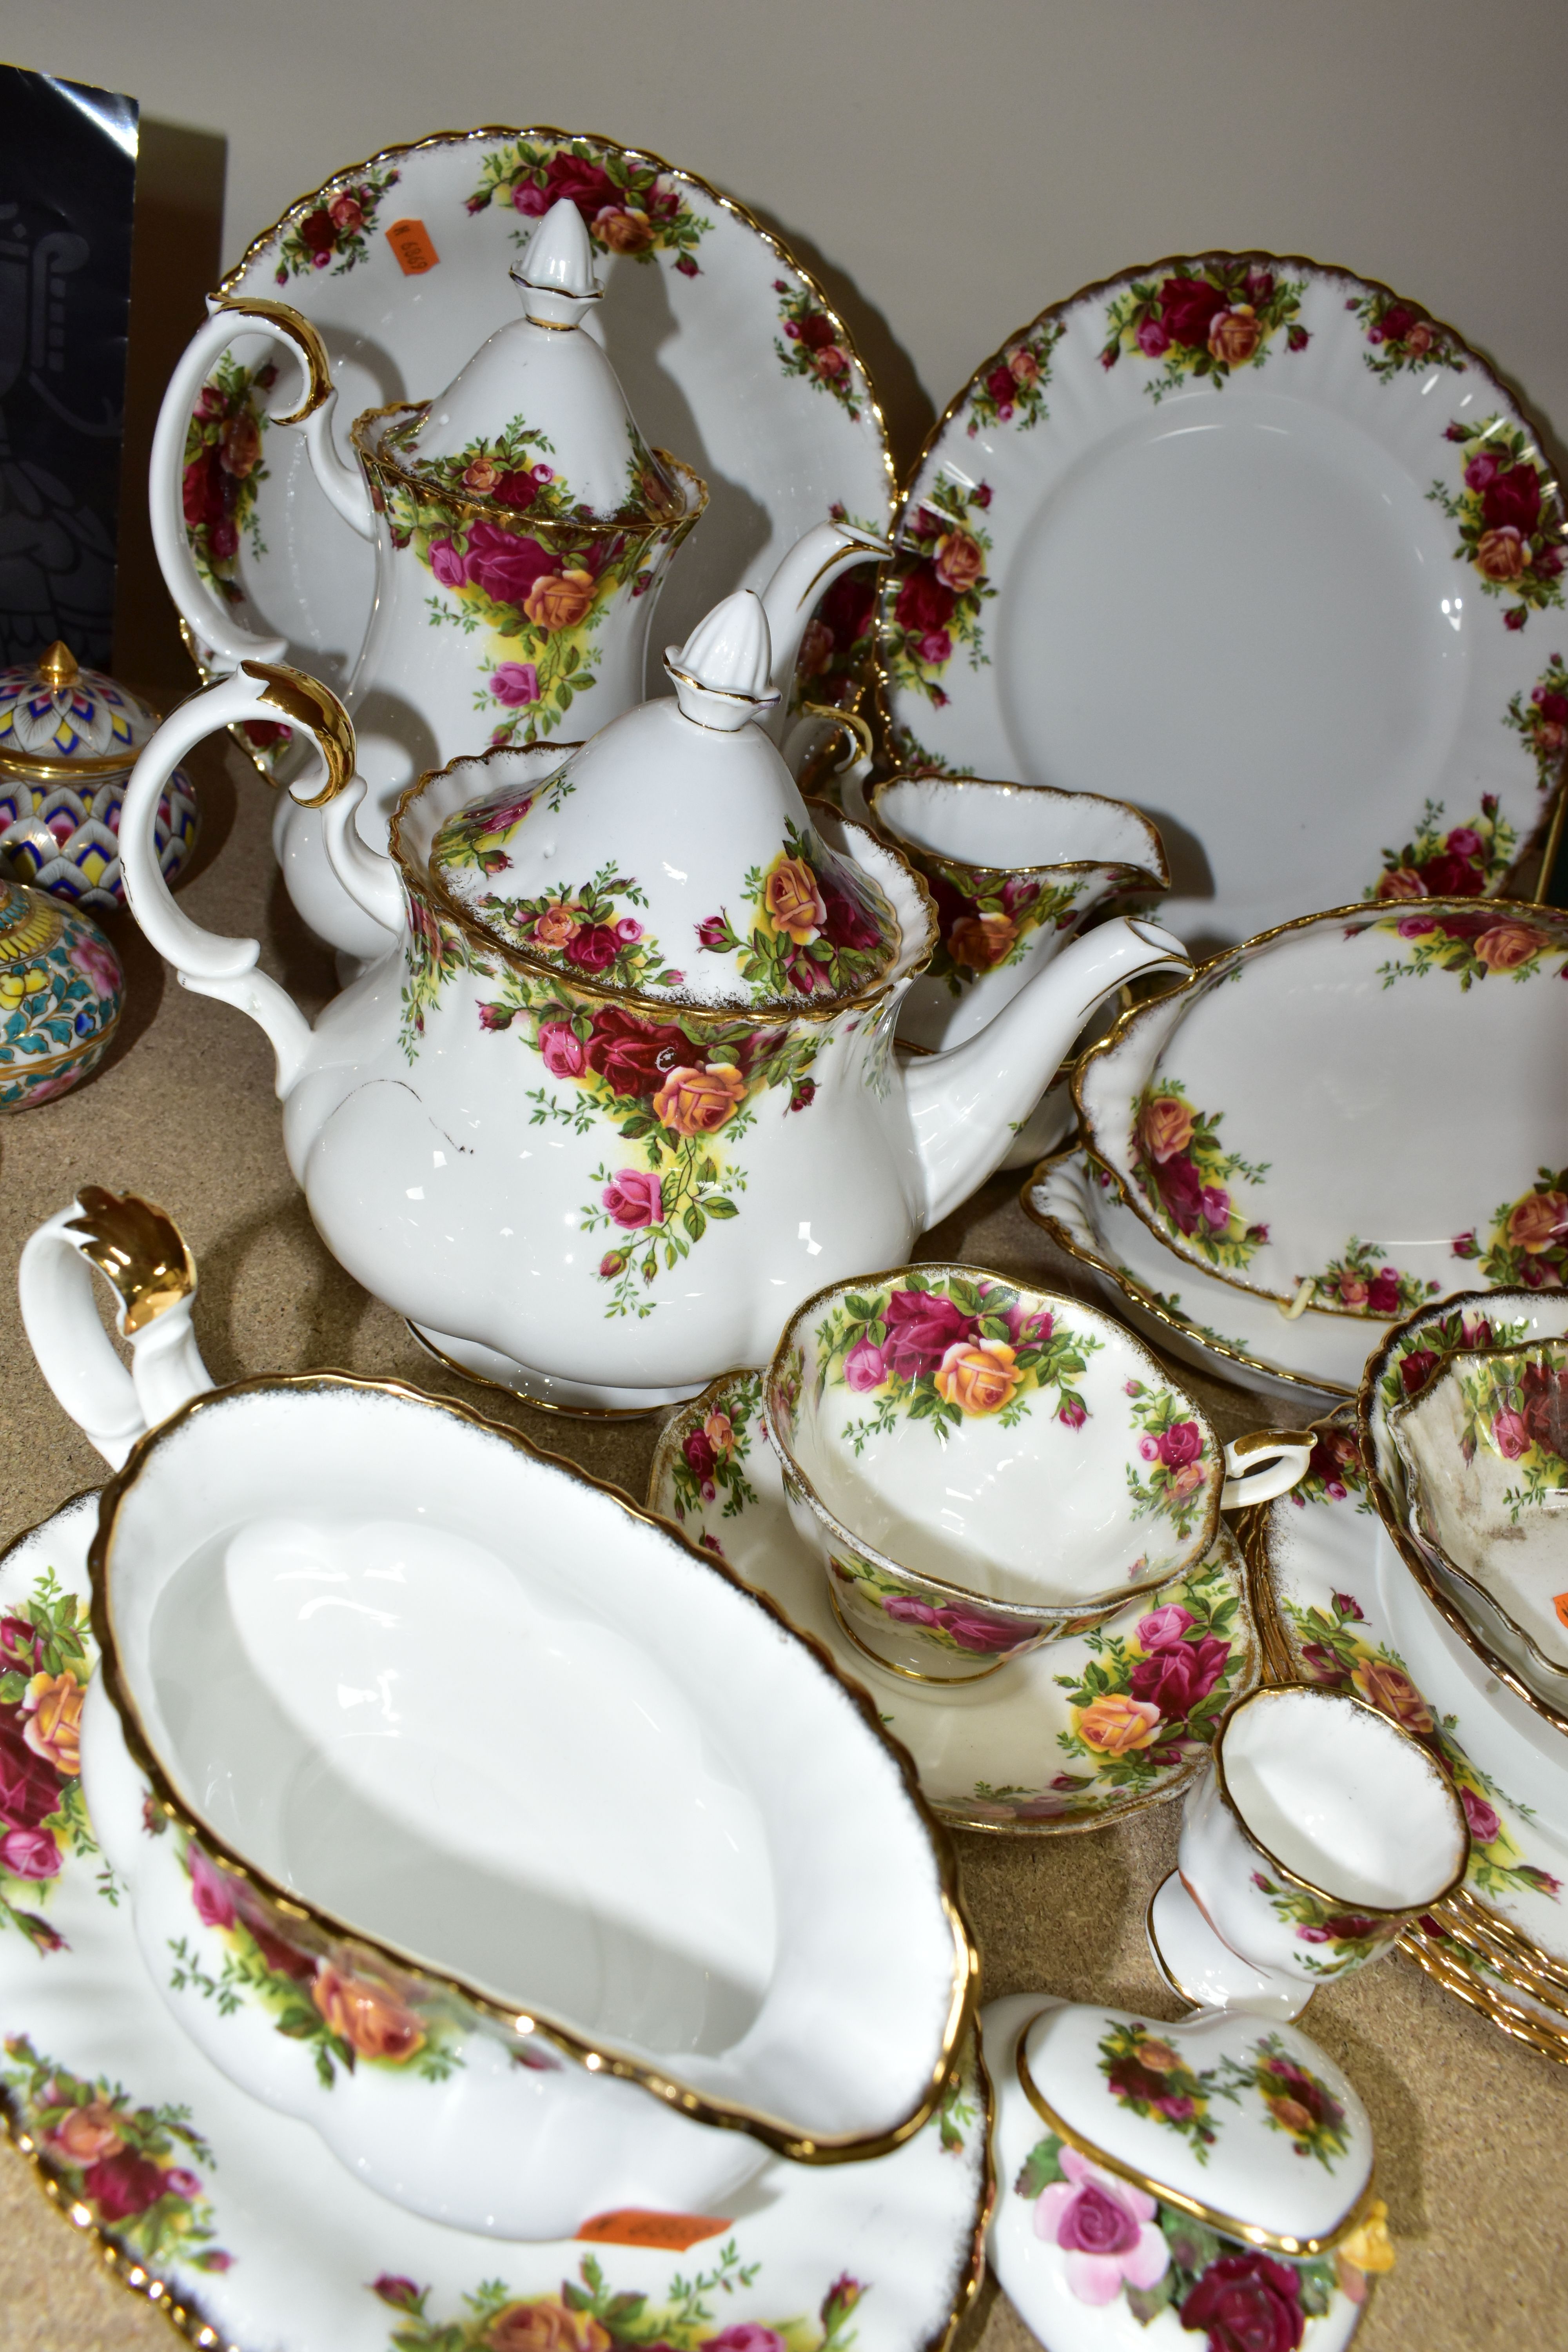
pixel 812 344
pixel 630 207
pixel 331 230
pixel 586 2316
pixel 45 1653
pixel 1510 516
pixel 1204 320
pixel 1187 1176
pixel 116 2158
pixel 1011 388
pixel 223 471
pixel 935 594
pixel 1401 337
pixel 1461 861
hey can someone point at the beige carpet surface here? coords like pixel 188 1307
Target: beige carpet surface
pixel 1471 2128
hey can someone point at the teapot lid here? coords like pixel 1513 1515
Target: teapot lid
pixel 536 420
pixel 1214 2115
pixel 671 857
pixel 55 714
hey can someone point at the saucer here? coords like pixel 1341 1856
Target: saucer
pixel 727 349
pixel 239 2222
pixel 1066 1738
pixel 1228 467
pixel 1336 1605
pixel 1079 1204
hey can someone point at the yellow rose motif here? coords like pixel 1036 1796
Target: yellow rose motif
pixel 1164 1127
pixel 1235 335
pixel 698 1102
pixel 557 927
pixel 627 231
pixel 978 1376
pixel 1539 1222
pixel 479 475
pixel 1159 2056
pixel 719 1432
pixel 959 560
pixel 1501 555
pixel 792 900
pixel 559 600
pixel 1116 1725
pixel 1508 945
pixel 545 2327
pixel 981 942
pixel 53 1728
pixel 1368 2251
pixel 367 2014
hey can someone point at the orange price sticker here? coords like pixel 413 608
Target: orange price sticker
pixel 410 241
pixel 632 2226
pixel 1560 1602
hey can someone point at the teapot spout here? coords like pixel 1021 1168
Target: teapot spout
pixel 809 569
pixel 966 1104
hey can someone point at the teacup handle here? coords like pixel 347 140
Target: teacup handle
pixel 204 613
pixel 1281 1457
pixel 141 1253
pixel 207 963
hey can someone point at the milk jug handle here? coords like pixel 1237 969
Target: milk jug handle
pixel 206 962
pixel 203 610
pixel 141 1254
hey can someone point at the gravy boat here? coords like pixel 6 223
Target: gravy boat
pixel 465 1810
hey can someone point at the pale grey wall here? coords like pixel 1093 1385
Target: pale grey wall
pixel 962 162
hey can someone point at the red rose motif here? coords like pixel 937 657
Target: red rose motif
pixel 1484 1824
pixel 1414 1367
pixel 202 490
pixel 844 923
pixel 1179 1677
pixel 1182 1190
pixel 1448 876
pixel 122 2186
pixel 699 1454
pixel 1247 2302
pixel 587 185
pixel 633 1058
pixel 593 947
pixel 845 609
pixel 816 331
pixel 1511 501
pixel 29 1786
pixel 922 1325
pixel 504 564
pixel 634 1198
pixel 1188 307
pixel 973 1631
pixel 1182 1443
pixel 318 233
pixel 923 603
pixel 999 383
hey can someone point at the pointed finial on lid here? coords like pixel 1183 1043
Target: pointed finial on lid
pixel 58 666
pixel 556 276
pixel 721 673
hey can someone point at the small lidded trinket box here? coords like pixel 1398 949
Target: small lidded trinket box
pixel 68 739
pixel 1218 2173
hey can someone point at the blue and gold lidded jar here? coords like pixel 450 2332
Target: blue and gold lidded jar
pixel 68 739
pixel 60 995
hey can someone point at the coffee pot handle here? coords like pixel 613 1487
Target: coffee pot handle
pixel 141 1254
pixel 1262 1467
pixel 201 607
pixel 206 962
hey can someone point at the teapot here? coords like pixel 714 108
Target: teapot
pixel 522 529
pixel 622 1092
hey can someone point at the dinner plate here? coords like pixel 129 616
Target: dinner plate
pixel 239 2222
pixel 1369 1102
pixel 1062 1738
pixel 1263 548
pixel 728 352
pixel 1294 1359
pixel 1335 1606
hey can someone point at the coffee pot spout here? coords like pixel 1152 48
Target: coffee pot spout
pixel 966 1104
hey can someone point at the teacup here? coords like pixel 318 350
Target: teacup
pixel 1320 1829
pixel 465 1810
pixel 1014 871
pixel 983 1467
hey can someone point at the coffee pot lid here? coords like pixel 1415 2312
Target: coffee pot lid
pixel 55 714
pixel 671 857
pixel 536 420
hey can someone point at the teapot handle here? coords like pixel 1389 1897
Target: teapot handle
pixel 203 611
pixel 1262 1467
pixel 206 962
pixel 141 1254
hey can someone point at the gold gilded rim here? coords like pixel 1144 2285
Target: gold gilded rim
pixel 1551 820
pixel 425 886
pixel 1023 1612
pixel 1365 911
pixel 1408 1551
pixel 1292 1685
pixel 286 320
pixel 1132 1289
pixel 1521 2025
pixel 1136 877
pixel 1251 2233
pixel 684 1417
pixel 484 133
pixel 138 1249
pixel 26 770
pixel 638 522
pixel 721 2114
